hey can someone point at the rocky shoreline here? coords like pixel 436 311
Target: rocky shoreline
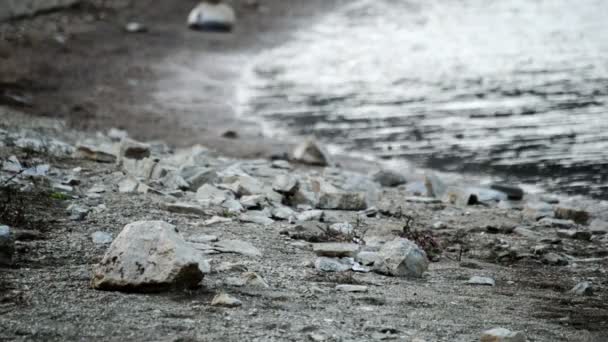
pixel 283 249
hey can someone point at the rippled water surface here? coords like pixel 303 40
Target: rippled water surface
pixel 517 88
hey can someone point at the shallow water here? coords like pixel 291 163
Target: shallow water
pixel 514 88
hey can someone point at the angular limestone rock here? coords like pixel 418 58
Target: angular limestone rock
pixel 310 152
pixel 149 256
pixel 401 258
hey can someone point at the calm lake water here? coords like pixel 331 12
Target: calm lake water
pixel 515 88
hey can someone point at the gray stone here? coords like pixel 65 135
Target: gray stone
pixel 342 228
pixel 252 201
pixel 131 149
pixel 351 288
pixel 233 206
pixel 216 219
pixel 557 223
pixel 331 265
pixel 574 234
pixel 598 227
pixel 238 247
pixel 210 195
pixel 310 152
pixel 310 215
pixel 7 246
pixel 149 256
pixel 367 258
pixel 401 258
pixel 281 164
pixel 307 231
pixel 335 249
pixel 128 185
pixel 203 238
pixel 577 215
pixel 225 300
pixel 282 213
pixel 99 154
pixel 342 201
pixel 502 335
pixel 554 259
pixel 423 200
pixel 285 184
pixel 101 238
pixel 513 192
pixel 254 280
pixel 11 164
pixel 243 185
pixel 389 178
pixel 256 217
pixel 477 280
pixel 582 289
pixel 197 176
pixel 77 212
pixel 185 208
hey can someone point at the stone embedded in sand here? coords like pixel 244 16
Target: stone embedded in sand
pixel 225 300
pixel 331 265
pixel 101 154
pixel 401 258
pixel 243 185
pixel 554 259
pixel 210 195
pixel 135 27
pixel 212 17
pixel 351 288
pixel 342 201
pixel 335 249
pixel 149 256
pixel 7 246
pixel 238 247
pixel 310 152
pixel 307 231
pixel 310 215
pixel 257 217
pixel 477 280
pixel 101 238
pixel 502 335
pixel 282 212
pixel 577 215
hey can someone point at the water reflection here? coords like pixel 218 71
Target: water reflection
pixel 517 88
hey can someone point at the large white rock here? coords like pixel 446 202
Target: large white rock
pixel 212 17
pixel 210 195
pixel 401 258
pixel 149 256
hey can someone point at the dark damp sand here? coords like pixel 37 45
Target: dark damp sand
pixel 170 83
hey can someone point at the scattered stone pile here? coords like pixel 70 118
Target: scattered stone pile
pixel 347 222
